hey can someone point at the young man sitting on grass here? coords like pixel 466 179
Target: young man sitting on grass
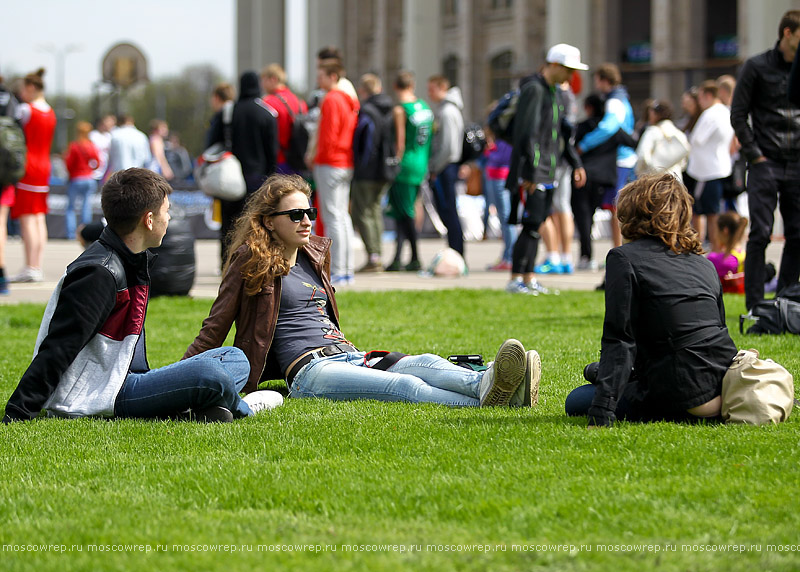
pixel 89 358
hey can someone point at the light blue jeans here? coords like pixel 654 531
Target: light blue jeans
pixel 425 378
pixel 83 188
pixel 214 377
pixel 496 194
pixel 333 190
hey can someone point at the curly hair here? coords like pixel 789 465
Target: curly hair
pixel 658 206
pixel 266 251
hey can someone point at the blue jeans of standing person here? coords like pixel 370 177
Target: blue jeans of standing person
pixel 212 378
pixel 497 195
pixel 425 378
pixel 82 188
pixel 445 195
pixel 767 181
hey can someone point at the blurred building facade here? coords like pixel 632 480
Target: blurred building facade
pixel 484 46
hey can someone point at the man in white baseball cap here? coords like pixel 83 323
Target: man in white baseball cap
pixel 537 145
pixel 566 55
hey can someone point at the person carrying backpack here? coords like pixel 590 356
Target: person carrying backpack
pixel 288 107
pixel 8 104
pixel 375 166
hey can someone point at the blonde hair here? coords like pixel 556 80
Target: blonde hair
pixel 266 259
pixel 274 71
pixel 735 225
pixel 370 83
pixel 658 206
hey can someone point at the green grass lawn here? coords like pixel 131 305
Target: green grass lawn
pixel 320 485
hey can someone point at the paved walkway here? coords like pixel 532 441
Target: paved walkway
pixel 479 255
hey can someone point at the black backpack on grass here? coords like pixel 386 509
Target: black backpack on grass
pixel 780 315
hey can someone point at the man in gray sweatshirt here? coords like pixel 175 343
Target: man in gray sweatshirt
pixel 447 104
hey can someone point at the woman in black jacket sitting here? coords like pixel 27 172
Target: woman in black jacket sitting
pixel 665 346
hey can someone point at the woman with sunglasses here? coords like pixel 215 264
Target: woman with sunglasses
pixel 276 288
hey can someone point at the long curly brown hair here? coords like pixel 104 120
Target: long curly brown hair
pixel 658 206
pixel 266 260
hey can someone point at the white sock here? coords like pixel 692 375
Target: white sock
pixel 554 258
pixel 566 258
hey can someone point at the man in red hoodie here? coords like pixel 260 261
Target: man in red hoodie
pixel 333 168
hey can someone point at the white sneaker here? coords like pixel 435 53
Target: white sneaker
pixel 527 394
pixel 28 274
pixel 504 376
pixel 534 287
pixel 517 287
pixel 264 400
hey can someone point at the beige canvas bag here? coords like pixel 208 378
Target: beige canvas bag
pixel 756 391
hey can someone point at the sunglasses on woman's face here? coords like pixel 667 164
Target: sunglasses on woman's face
pixel 296 215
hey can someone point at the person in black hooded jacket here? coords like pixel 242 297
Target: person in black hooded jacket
pixel 254 141
pixel 600 164
pixel 372 144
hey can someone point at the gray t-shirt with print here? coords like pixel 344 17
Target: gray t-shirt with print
pixel 303 320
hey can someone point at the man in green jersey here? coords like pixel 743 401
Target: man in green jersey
pixel 413 121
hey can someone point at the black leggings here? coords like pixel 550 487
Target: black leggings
pixel 538 203
pixel 406 230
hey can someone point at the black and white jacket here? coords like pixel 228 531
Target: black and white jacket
pixel 91 337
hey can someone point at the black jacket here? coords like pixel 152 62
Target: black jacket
pixel 665 319
pixel 374 118
pixel 601 162
pixel 96 326
pixel 254 138
pixel 540 138
pixel 761 95
pixel 541 134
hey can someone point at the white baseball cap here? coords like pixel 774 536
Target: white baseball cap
pixel 566 55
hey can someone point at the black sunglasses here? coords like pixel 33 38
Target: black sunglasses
pixel 296 215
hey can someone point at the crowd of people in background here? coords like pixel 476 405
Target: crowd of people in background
pixel 372 152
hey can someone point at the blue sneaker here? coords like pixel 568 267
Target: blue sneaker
pixel 566 268
pixel 4 287
pixel 547 267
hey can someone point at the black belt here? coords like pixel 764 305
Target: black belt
pixel 327 351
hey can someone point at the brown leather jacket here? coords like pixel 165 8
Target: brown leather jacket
pixel 256 316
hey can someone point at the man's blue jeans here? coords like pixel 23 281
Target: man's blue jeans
pixel 214 377
pixel 496 194
pixel 82 189
pixel 425 378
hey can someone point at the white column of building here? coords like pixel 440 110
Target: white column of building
pixel 661 42
pixel 421 43
pixel 296 45
pixel 568 22
pixel 325 28
pixel 758 24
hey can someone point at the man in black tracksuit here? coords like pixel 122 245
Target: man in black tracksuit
pixel 772 149
pixel 254 141
pixel 539 139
